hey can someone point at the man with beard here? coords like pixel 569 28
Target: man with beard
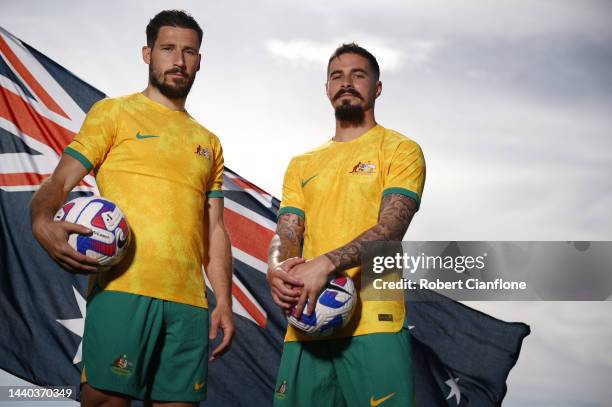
pixel 147 326
pixel 363 185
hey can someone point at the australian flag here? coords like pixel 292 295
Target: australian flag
pixel 461 357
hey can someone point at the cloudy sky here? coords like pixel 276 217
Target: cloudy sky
pixel 510 101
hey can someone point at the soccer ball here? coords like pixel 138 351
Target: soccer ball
pixel 111 232
pixel 333 310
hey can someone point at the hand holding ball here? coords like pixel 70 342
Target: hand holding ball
pixel 333 310
pixel 111 233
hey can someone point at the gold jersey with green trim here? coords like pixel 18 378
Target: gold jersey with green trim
pixel 338 188
pixel 159 166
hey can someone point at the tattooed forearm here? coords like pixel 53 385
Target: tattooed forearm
pixel 286 242
pixel 396 212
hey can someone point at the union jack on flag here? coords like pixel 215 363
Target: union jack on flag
pixel 40 113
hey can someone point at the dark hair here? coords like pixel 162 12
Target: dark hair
pixel 353 48
pixel 173 18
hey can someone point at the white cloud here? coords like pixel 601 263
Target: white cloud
pixel 420 52
pixel 390 59
pixel 299 50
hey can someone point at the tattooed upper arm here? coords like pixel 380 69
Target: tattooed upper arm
pixel 286 242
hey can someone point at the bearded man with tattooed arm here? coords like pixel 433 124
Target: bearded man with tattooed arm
pixel 363 185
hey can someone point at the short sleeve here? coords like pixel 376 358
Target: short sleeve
pixel 215 184
pixel 293 199
pixel 96 136
pixel 406 174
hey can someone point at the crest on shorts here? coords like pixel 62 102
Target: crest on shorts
pixel 199 385
pixel 122 366
pixel 282 390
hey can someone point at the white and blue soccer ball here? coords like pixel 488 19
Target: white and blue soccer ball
pixel 333 310
pixel 111 233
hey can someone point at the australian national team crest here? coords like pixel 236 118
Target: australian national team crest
pixel 282 390
pixel 363 168
pixel 122 366
pixel 202 151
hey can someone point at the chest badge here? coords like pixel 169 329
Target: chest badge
pixel 202 151
pixel 363 168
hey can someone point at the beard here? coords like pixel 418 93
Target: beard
pixel 171 90
pixel 349 115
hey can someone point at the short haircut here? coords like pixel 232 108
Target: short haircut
pixel 353 48
pixel 172 18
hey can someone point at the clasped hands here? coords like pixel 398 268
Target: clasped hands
pixel 296 283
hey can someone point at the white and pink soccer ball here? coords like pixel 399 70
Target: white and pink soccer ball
pixel 333 310
pixel 111 232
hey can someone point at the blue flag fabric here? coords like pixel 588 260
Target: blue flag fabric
pixel 461 357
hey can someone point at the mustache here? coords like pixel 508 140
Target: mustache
pixel 350 91
pixel 177 70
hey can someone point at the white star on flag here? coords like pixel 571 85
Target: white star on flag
pixel 77 325
pixel 452 383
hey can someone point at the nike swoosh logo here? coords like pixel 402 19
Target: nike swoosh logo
pixel 198 386
pixel 308 180
pixel 374 403
pixel 143 136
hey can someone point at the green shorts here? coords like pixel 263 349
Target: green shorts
pixel 367 370
pixel 145 348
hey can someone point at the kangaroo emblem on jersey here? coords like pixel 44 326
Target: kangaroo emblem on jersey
pixel 203 151
pixel 364 168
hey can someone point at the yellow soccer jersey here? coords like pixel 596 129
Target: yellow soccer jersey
pixel 338 188
pixel 158 165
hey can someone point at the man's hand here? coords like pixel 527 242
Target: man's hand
pixel 53 237
pixel 221 318
pixel 284 286
pixel 314 274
